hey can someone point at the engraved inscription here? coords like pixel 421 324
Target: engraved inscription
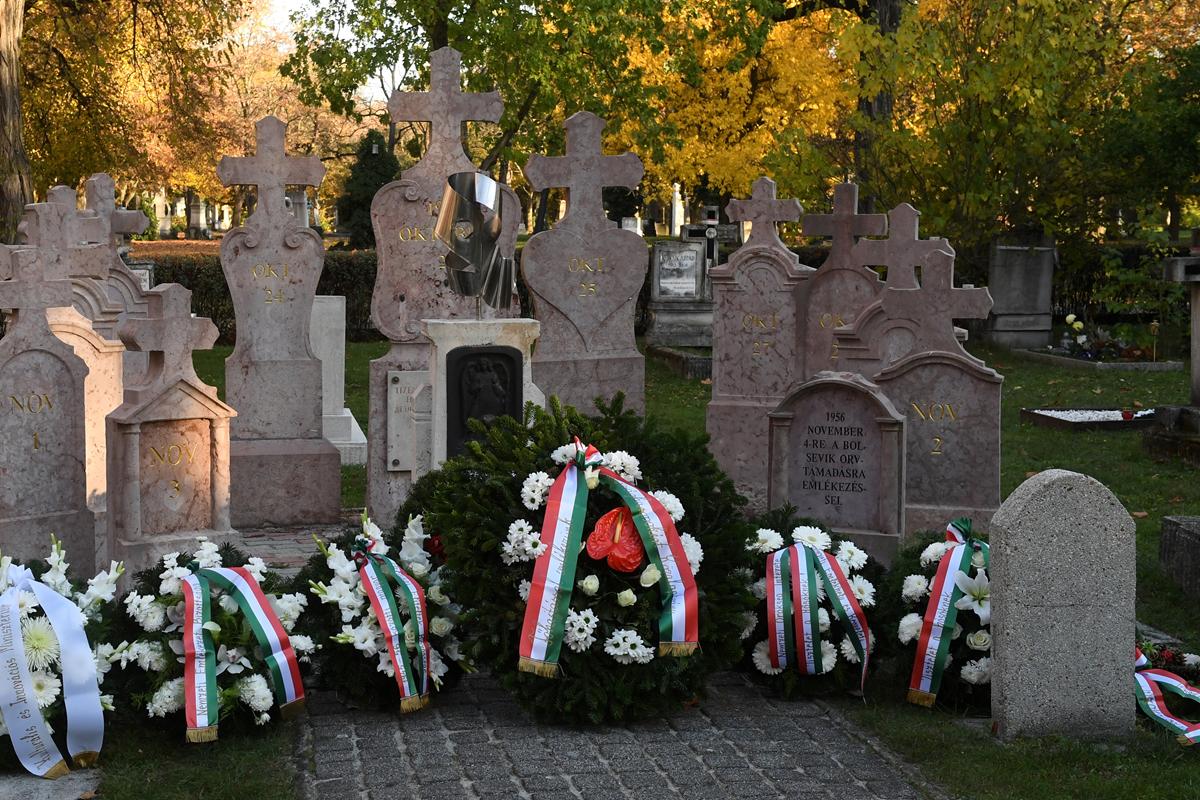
pixel 834 455
pixel 30 404
pixel 585 265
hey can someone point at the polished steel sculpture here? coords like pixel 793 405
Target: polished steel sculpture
pixel 471 225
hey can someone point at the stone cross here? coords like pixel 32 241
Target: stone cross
pixel 271 169
pixel 845 222
pixel 445 107
pixel 936 304
pixel 762 211
pixel 101 193
pixel 169 333
pixel 74 243
pixel 902 252
pixel 29 288
pixel 584 171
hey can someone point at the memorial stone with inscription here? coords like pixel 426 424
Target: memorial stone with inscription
pixel 585 275
pixel 681 309
pixel 755 357
pixel 283 469
pixel 169 441
pixel 411 283
pixel 43 478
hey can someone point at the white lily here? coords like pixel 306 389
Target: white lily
pixel 977 595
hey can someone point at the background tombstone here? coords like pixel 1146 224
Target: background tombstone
pixel 43 479
pixel 283 469
pixel 1064 572
pixel 837 455
pixel 843 286
pixel 680 308
pixel 755 358
pixel 328 336
pixel 169 440
pixel 411 283
pixel 585 275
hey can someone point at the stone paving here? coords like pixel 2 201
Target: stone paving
pixel 475 742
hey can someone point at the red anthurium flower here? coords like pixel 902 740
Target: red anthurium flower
pixel 616 539
pixel 1126 414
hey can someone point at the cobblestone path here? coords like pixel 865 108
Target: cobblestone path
pixel 475 742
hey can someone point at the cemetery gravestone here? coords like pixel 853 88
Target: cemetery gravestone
pixel 43 478
pixel 283 469
pixel 169 441
pixel 585 275
pixel 1063 582
pixel 680 308
pixel 1021 274
pixel 755 357
pixel 328 336
pixel 837 455
pixel 412 283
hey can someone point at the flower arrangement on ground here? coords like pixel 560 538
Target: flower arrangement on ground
pixel 53 671
pixel 814 597
pixel 389 626
pixel 212 638
pixel 591 555
pixel 1153 681
pixel 946 625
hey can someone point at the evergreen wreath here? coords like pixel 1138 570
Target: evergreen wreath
pixel 488 504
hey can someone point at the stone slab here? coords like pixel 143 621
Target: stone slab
pixel 1179 553
pixel 270 482
pixel 327 333
pixel 75 784
pixel 680 324
pixel 1063 581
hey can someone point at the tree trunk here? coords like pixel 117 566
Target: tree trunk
pixel 16 188
pixel 539 224
pixel 1174 210
pixel 876 109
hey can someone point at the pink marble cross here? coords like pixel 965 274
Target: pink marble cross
pixel 445 107
pixel 73 244
pixel 762 211
pixel 101 194
pixel 27 286
pixel 584 171
pixel 271 169
pixel 903 251
pixel 845 223
pixel 936 304
pixel 169 333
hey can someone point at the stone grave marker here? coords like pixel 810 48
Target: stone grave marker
pixel 169 441
pixel 1063 581
pixel 585 274
pixel 411 283
pixel 755 357
pixel 681 309
pixel 328 336
pixel 842 286
pixel 283 469
pixel 837 455
pixel 43 480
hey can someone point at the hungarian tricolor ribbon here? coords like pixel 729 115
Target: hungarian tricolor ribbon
pixel 202 702
pixel 1149 687
pixel 554 570
pixel 793 574
pixel 27 729
pixel 941 614
pixel 379 575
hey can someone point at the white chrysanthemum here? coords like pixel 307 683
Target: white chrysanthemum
pixel 749 623
pixel 933 553
pixel 812 536
pixel 167 700
pixel 46 687
pixel 671 503
pixel 149 656
pixel 256 567
pixel 523 590
pixel 625 465
pixel 910 628
pixel 562 455
pixel 762 659
pixel 262 719
pixel 172 574
pixel 254 691
pixel 580 629
pixel 851 555
pixel 626 646
pixel 822 620
pixel 850 652
pixel 41 645
pixel 863 590
pixel 915 587
pixel 693 550
pixel 207 555
pixel 765 541
pixel 145 611
pixel 288 607
pixel 828 656
pixel 978 671
pixel 535 489
pixel 303 645
pixel 759 588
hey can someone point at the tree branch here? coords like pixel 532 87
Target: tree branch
pixel 511 131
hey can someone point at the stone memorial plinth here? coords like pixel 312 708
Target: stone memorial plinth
pixel 412 283
pixel 283 470
pixel 681 308
pixel 755 330
pixel 479 370
pixel 1063 580
pixel 1179 553
pixel 837 455
pixel 43 444
pixel 1021 279
pixel 168 442
pixel 328 336
pixel 585 275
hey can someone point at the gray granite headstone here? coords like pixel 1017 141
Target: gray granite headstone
pixel 680 311
pixel 837 455
pixel 43 478
pixel 1063 582
pixel 283 469
pixel 755 355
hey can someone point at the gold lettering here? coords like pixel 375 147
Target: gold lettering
pixel 433 208
pixel 762 348
pixel 172 455
pixel 176 489
pixel 33 404
pixel 830 321
pixel 36 444
pixel 919 410
pixel 17 402
pixel 937 446
pixel 934 412
pixel 834 355
pixel 587 289
pixel 412 233
pixel 750 321
pixel 156 455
